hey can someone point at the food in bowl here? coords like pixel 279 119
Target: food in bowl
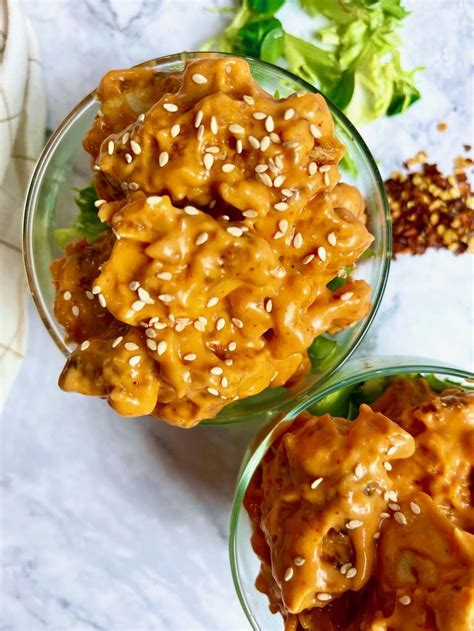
pixel 369 523
pixel 228 243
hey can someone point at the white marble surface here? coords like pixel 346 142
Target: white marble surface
pixel 113 524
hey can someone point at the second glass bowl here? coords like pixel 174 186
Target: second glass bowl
pixel 64 165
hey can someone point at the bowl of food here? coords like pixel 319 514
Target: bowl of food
pixel 219 267
pixel 334 502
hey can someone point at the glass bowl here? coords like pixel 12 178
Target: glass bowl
pixel 64 165
pixel 243 560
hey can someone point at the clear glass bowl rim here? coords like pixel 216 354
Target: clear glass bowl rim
pixel 252 459
pixel 31 203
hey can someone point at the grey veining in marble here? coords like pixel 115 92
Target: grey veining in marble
pixel 122 525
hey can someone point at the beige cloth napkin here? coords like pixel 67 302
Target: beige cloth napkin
pixel 22 128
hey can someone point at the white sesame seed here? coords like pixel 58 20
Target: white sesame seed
pixel 135 147
pixel 325 168
pixel 216 370
pixel 259 116
pixel 213 391
pixel 322 253
pixel 384 515
pixel 358 471
pixel 220 324
pixel 323 597
pixel 96 290
pixel 128 158
pixel 391 450
pixel 307 259
pixel 394 506
pixel 391 495
pixel 400 518
pixel 213 150
pixel 89 295
pixel 138 305
pixel 261 168
pixel 99 203
pixel 236 129
pixel 161 348
pixel 278 235
pixel 198 118
pixel 170 107
pixel 198 78
pixel 85 345
pixel 269 305
pixel 154 200
pixel 269 124
pixel 239 146
pixel 351 572
pixel 110 147
pixel 354 523
pixel 254 142
pixel 133 186
pixel 214 126
pixel 200 133
pixel 190 357
pixel 202 238
pixel 159 326
pixel 228 362
pixel 299 561
pixel 283 225
pixel 164 275
pixel 125 138
pixel 265 143
pixel 234 231
pixel 278 181
pixel 415 509
pixel 387 466
pixel 117 341
pixel 404 600
pixel 232 346
pixel 345 297
pixel 199 326
pixel 141 118
pixel 289 113
pixel 151 345
pixel 250 214
pixel 327 180
pixel 291 144
pixel 175 130
pixel 208 161
pixel 315 132
pixel 312 168
pixel 332 239
pixel 212 301
pixel 190 210
pixel 225 217
pixel 279 162
pixel 300 93
pixel 150 332
pixel 96 167
pixel 135 360
pixel 376 535
pixel 67 295
pixel 288 574
pixel 281 206
pixel 224 382
pixel 166 298
pixel 102 301
pixel 345 567
pixel 227 167
pixel 145 296
pixel 163 158
pixel 238 323
pixel 298 241
pixel 249 99
pixel 133 285
pixel 131 346
pixel 316 483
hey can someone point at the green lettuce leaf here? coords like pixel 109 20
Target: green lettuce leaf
pixel 87 224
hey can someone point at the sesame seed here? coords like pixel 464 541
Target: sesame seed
pixel 133 285
pixel 254 142
pixel 249 99
pixel 269 124
pixel 400 518
pixel 117 341
pixel 163 158
pixel 102 301
pixel 279 162
pixel 67 295
pixel 190 210
pixel 125 138
pixel 166 298
pixel 391 450
pixel 259 116
pixel 415 509
pixel 159 326
pixel 138 305
pixel 391 495
pixel 345 567
pixel 283 225
pixel 228 362
pixel 200 133
pixel 281 206
pixel 96 167
pixel 307 259
pixel 220 324
pixel 232 346
pixel 225 217
pixel 261 168
pixel 213 150
pixel 198 118
pixel 89 295
pixel 234 231
pixel 300 94
pixel 133 361
pixel 265 143
pixel 325 168
pixel 128 158
pixel 202 238
pixel 161 348
pixel 326 179
pixel 351 572
pixel 170 107
pixel 250 214
pixel 236 129
pixel 227 167
pixel 110 147
pixel 322 253
pixel 315 132
pixel 217 370
pixel 384 515
pixel 299 561
pixel 198 78
pixel 96 290
pixel 99 203
pixel 212 301
pixel 323 597
pixel 175 130
pixel 85 345
pixel 213 391
pixel 344 297
pixel 224 382
pixel 376 535
pixel 358 471
pixel 151 345
pixel 208 161
pixel 354 523
pixel 291 144
pixel 394 506
pixel 298 241
pixel 387 466
pixel 154 200
pixel 214 126
pixel 278 235
pixel 288 574
pixel 404 600
pixel 275 138
pixel 145 296
pixel 269 305
pixel 316 483
pixel 239 146
pixel 289 113
pixel 278 181
pixel 238 323
pixel 131 346
pixel 190 357
pixel 133 186
pixel 150 332
pixel 332 239
pixel 312 168
pixel 141 118
pixel 135 147
pixel 199 326
pixel 165 275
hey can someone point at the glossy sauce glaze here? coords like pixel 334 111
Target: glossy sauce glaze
pixel 369 524
pixel 227 222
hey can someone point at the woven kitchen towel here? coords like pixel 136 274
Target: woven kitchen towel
pixel 22 128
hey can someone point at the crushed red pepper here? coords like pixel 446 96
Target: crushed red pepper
pixel 430 209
